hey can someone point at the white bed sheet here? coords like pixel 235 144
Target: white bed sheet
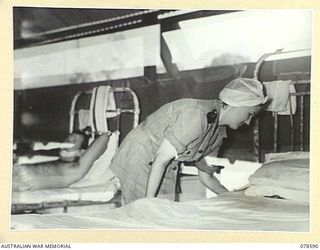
pixel 230 211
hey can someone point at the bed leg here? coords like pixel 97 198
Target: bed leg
pixel 256 140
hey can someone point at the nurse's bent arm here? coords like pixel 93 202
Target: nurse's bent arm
pixel 165 154
pixel 208 179
pixel 211 182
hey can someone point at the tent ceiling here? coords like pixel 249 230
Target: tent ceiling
pixel 33 26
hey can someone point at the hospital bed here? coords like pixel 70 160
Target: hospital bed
pixel 276 197
pixel 236 211
pixel 98 189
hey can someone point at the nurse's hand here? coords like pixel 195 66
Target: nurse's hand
pixel 211 182
pixel 217 169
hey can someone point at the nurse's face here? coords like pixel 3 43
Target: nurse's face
pixel 235 117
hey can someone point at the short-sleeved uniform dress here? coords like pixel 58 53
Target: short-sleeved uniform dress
pixel 186 124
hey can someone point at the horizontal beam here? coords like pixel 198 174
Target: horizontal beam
pixel 146 18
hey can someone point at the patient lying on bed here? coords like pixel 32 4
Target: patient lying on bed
pixel 73 164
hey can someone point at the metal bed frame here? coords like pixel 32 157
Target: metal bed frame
pixel 301 96
pixel 118 111
pixel 116 200
pixel 36 207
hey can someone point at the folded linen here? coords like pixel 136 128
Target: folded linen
pixel 278 92
pixel 83 118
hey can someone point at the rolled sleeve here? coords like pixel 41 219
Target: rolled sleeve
pixel 188 126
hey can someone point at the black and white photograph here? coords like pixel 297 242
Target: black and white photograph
pixel 161 119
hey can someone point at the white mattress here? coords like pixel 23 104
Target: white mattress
pixel 230 211
pixel 102 192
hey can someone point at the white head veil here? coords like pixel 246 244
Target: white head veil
pixel 243 92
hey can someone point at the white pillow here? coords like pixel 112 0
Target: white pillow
pixel 292 174
pixel 286 178
pixel 100 172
